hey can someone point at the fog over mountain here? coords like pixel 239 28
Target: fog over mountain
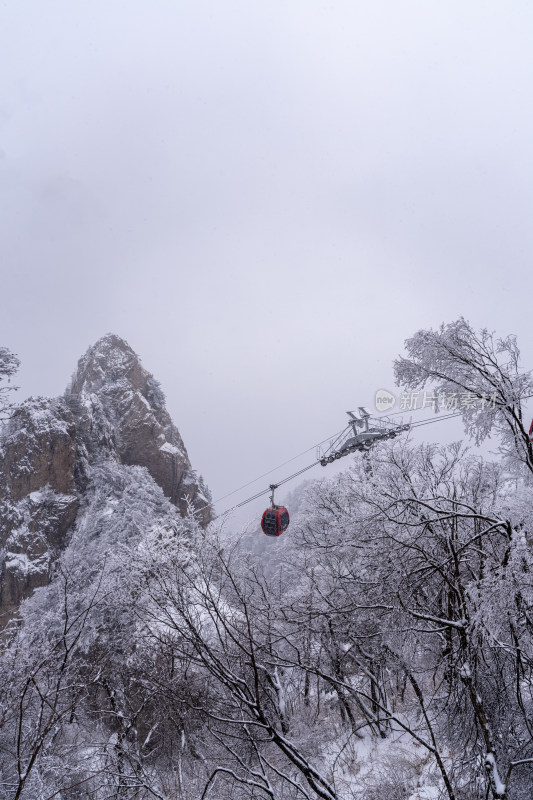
pixel 263 199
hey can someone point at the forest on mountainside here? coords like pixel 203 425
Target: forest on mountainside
pixel 387 656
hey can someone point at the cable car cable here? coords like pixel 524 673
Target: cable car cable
pixel 329 438
pixel 436 419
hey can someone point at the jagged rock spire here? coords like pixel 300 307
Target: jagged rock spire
pixel 110 376
pixel 112 412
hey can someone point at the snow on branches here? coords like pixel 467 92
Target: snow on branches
pixel 9 364
pixel 457 359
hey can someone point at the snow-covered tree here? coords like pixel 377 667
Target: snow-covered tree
pixel 386 651
pixel 9 364
pixel 476 374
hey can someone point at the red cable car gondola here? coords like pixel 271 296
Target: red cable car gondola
pixel 275 520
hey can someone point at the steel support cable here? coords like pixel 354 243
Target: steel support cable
pixel 436 419
pixel 329 438
pixel 266 491
pixel 341 434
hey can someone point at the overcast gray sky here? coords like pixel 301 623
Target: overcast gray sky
pixel 264 198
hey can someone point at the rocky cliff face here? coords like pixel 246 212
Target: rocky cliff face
pixel 113 412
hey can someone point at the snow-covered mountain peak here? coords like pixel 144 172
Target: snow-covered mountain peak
pixel 112 420
pixel 111 385
pixel 108 361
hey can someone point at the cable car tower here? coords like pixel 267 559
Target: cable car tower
pixel 361 435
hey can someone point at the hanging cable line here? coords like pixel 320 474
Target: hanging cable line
pixel 267 491
pixel 274 469
pixel 423 422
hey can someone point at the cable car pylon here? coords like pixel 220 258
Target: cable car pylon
pixel 361 435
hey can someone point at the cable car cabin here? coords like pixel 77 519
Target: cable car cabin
pixel 275 520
